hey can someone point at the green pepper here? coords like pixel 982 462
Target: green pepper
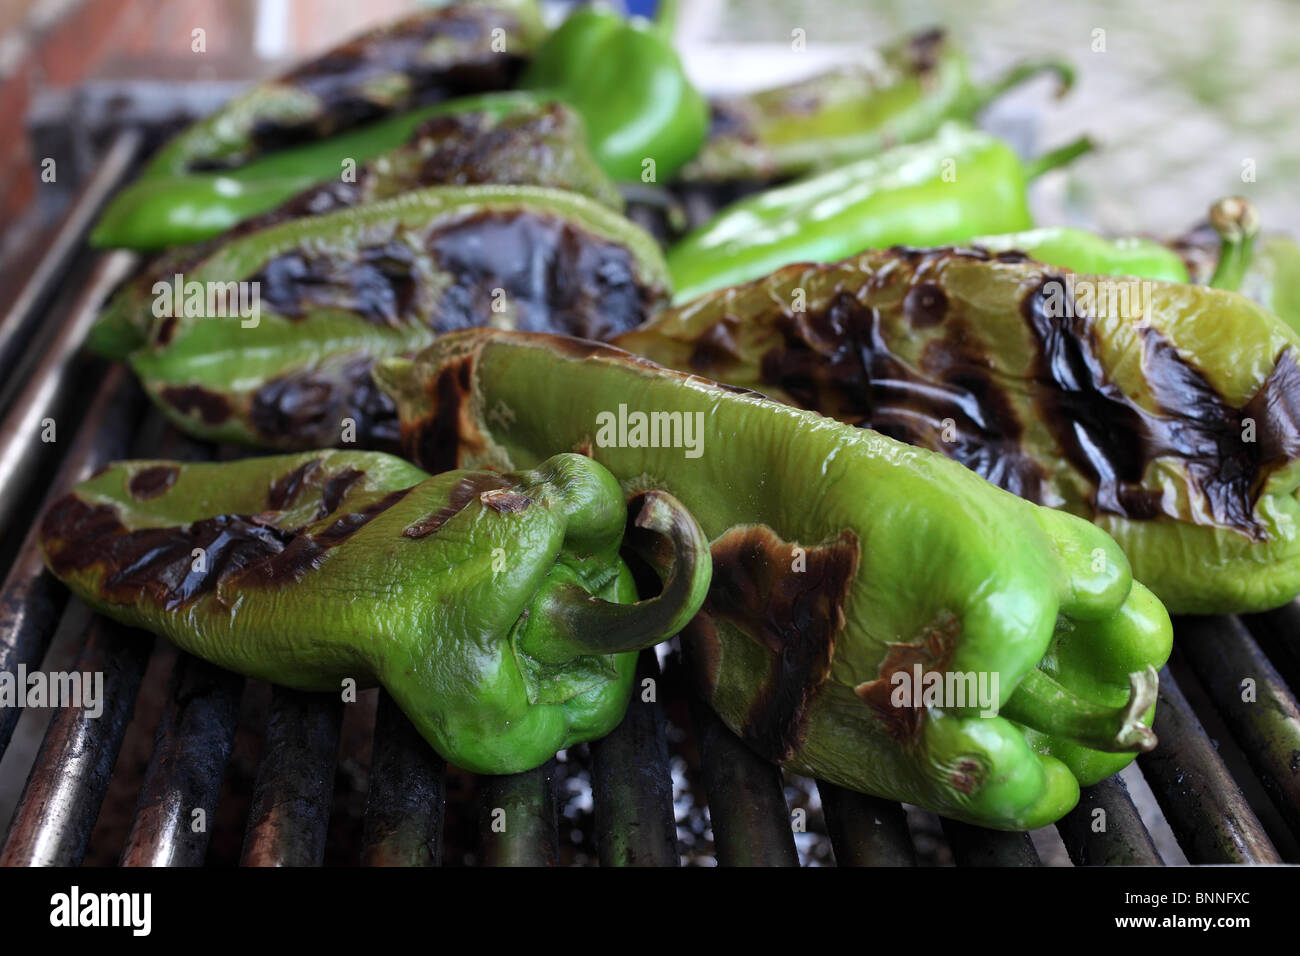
pixel 833 118
pixel 1083 251
pixel 268 338
pixel 160 211
pixel 495 609
pixel 644 117
pixel 435 54
pixel 1167 414
pixel 841 559
pixel 961 184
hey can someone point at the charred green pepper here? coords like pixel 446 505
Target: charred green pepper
pixel 1167 414
pixel 959 185
pixel 644 117
pixel 905 95
pixel 494 608
pixel 320 298
pixel 843 562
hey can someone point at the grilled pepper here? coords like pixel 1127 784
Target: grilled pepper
pixel 961 184
pixel 837 117
pixel 625 79
pixel 327 295
pixel 494 608
pixel 540 145
pixel 843 563
pixel 159 212
pixel 1167 414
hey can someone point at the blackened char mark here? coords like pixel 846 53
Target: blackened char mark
pixel 380 283
pixel 151 482
pixel 793 606
pixel 309 408
pixel 835 360
pixel 435 442
pixel 555 276
pixel 925 48
pixel 1112 440
pixel 469 488
pixel 335 487
pixel 213 407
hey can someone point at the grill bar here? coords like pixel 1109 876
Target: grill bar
pixel 976 846
pixel 1115 837
pixel 408 794
pixel 865 830
pixel 46 389
pixel 290 811
pixel 1278 633
pixel 58 806
pixel 1204 806
pixel 22 317
pixel 747 808
pixel 631 786
pixel 1267 726
pixel 517 818
pixel 192 745
pixel 32 599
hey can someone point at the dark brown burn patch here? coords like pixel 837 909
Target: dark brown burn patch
pixel 379 283
pixel 335 488
pixel 284 490
pixel 152 482
pixel 1112 440
pixel 506 502
pixel 473 486
pixel 308 408
pixel 794 614
pixel 159 565
pixel 716 346
pixel 925 305
pixel 924 49
pixel 437 440
pixel 212 407
pixel 931 652
pixel 835 360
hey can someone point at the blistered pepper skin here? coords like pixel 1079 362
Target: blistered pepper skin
pixel 1176 428
pixel 335 292
pixel 467 595
pixel 840 559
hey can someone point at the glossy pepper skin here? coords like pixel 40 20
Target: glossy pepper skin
pixel 158 212
pixel 494 608
pixel 626 80
pixel 337 291
pixel 1176 430
pixel 902 95
pixel 958 185
pixel 840 558
pixel 1081 251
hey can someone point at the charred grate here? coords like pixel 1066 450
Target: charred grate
pixel 1226 775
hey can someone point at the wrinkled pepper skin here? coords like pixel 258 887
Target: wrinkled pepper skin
pixel 840 558
pixel 1179 436
pixel 626 80
pixel 505 138
pixel 961 184
pixel 837 117
pixel 435 54
pixel 338 291
pixel 494 608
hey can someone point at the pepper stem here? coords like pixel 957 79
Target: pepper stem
pixel 1050 708
pixel 1060 156
pixel 1236 220
pixel 667 537
pixel 1025 71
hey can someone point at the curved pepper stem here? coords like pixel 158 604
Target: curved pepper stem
pixel 675 547
pixel 1021 72
pixel 1061 156
pixel 1236 220
pixel 1046 706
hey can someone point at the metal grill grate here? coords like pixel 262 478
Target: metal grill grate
pixel 1241 805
